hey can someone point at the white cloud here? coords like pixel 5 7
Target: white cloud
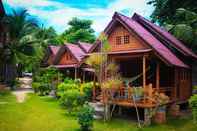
pixel 101 16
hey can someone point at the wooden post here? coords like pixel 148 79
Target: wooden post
pixel 175 84
pixel 83 76
pixel 158 76
pixel 94 88
pixel 75 73
pixel 144 76
pixel 144 71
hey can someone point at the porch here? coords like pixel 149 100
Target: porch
pixel 143 73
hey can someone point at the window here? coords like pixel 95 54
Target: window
pixel 126 39
pixel 118 40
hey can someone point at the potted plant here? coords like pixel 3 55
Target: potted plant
pixel 161 101
pixel 138 93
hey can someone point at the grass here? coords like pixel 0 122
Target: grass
pixel 45 114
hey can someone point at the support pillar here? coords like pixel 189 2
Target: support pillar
pixel 158 76
pixel 144 75
pixel 75 73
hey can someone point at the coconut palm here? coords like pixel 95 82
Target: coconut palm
pixel 19 44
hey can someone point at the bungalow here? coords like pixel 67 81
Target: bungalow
pixel 141 48
pixel 68 58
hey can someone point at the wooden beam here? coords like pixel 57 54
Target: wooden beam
pixel 158 76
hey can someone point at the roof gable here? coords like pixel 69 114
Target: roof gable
pixel 77 53
pixel 145 35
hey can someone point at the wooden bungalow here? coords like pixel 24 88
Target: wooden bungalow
pixel 69 59
pixel 145 51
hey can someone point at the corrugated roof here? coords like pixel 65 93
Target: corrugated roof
pixel 153 42
pixel 76 51
pixel 85 46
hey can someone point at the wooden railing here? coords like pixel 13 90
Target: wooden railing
pixel 114 95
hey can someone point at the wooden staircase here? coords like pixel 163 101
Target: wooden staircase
pixel 99 109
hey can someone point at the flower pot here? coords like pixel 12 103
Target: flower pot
pixel 160 115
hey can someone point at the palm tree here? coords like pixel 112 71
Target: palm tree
pixel 19 44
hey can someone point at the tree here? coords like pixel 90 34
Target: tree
pixel 166 9
pixel 80 30
pixel 19 42
pixel 179 17
pixel 185 27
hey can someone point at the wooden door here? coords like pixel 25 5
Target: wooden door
pixel 184 84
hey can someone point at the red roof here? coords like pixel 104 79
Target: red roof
pixel 166 35
pixel 163 52
pixel 54 49
pixel 85 46
pixel 76 51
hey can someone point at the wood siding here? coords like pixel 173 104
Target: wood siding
pixel 133 44
pixel 67 59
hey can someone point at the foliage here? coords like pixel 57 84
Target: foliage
pixel 185 27
pixel 112 83
pixel 73 94
pixel 46 81
pixel 85 117
pixel 165 10
pixel 71 100
pixel 80 30
pixel 179 17
pixel 86 89
pixel 193 105
pixel 19 41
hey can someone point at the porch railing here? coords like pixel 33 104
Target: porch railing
pixel 129 95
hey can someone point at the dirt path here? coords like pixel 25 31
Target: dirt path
pixel 23 90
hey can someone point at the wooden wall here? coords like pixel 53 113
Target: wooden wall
pixel 120 31
pixel 67 58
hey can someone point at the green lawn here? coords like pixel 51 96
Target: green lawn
pixel 45 114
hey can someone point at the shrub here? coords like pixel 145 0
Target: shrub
pixel 63 87
pixel 86 89
pixel 85 117
pixel 71 100
pixel 35 86
pixel 46 81
pixel 193 105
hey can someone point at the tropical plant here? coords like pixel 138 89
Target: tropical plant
pixel 193 105
pixel 18 46
pixel 165 10
pixel 185 27
pixel 79 30
pixel 71 100
pixel 85 117
pixel 47 80
pixel 86 90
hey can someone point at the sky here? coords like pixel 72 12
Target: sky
pixel 57 13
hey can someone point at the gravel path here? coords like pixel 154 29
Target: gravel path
pixel 23 90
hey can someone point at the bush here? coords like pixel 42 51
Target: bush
pixel 193 105
pixel 71 100
pixel 41 88
pixel 86 89
pixel 85 117
pixel 46 81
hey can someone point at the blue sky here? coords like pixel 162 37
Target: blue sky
pixel 57 13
